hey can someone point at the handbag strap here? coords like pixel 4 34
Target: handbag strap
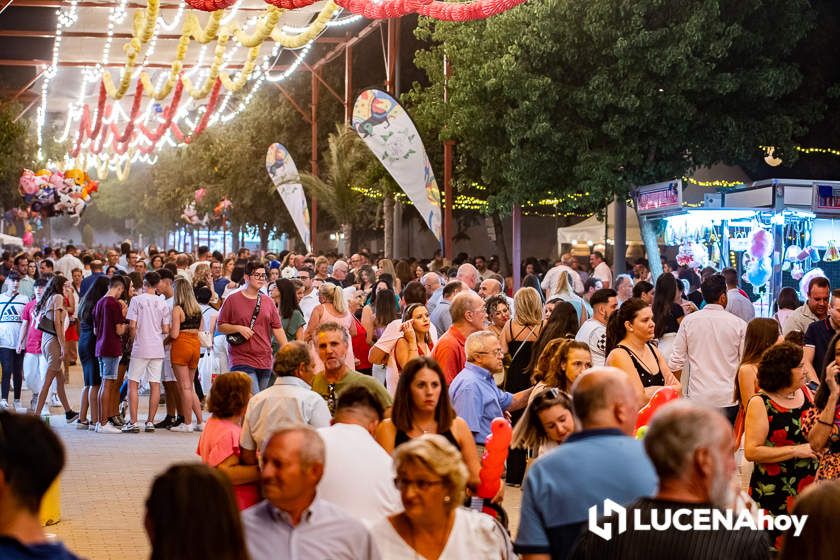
pixel 256 311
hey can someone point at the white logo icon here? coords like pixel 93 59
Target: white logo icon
pixel 605 531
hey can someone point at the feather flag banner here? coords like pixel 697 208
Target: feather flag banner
pixel 284 174
pixel 389 132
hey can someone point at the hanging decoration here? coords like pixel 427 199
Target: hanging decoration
pixel 190 215
pixel 831 253
pixel 284 174
pixel 756 260
pixel 389 132
pixel 53 193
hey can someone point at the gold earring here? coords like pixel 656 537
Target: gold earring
pixel 446 499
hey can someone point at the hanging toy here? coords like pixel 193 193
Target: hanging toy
pixel 759 271
pixel 797 273
pixel 792 253
pixel 831 253
pixel 760 243
pixel 493 461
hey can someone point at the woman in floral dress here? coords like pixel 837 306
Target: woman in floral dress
pixel 784 461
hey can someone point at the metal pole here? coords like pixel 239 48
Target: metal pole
pixel 447 173
pixel 516 226
pixel 314 162
pixel 348 84
pixel 620 236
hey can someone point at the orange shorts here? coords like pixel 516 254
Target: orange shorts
pixel 186 349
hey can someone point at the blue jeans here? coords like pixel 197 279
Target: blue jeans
pixel 108 367
pixel 259 377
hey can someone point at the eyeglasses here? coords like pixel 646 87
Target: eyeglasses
pixel 403 484
pixel 497 352
pixel 259 275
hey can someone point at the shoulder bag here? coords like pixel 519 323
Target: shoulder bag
pixel 235 339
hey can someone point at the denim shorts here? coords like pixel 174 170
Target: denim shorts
pixel 108 366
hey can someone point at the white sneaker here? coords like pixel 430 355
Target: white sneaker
pixel 54 402
pixel 33 402
pixel 108 428
pixel 4 404
pixel 18 405
pixel 182 428
pixel 198 427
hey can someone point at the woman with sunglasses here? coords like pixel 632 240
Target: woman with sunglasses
pixel 547 422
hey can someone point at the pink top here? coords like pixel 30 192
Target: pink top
pixel 220 440
pixel 33 335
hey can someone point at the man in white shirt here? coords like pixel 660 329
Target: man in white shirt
pixel 358 472
pixel 310 299
pixel 600 269
pixel 593 331
pixel 736 302
pixel 711 342
pixel 468 274
pixel 434 290
pixel 549 283
pixel 290 399
pixel 68 262
pixel 149 318
pixel 11 320
pixel 815 308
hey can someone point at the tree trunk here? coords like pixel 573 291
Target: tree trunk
pixel 504 260
pixel 235 228
pixel 347 237
pixel 652 248
pixel 264 231
pixel 388 218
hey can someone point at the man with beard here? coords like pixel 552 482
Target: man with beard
pixel 691 447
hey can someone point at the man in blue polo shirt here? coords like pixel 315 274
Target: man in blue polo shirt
pixel 474 394
pixel 599 462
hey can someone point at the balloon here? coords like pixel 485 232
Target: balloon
pixel 792 253
pixel 199 194
pixel 660 397
pixel 806 279
pixel 759 271
pixel 641 432
pixel 493 461
pixel 760 243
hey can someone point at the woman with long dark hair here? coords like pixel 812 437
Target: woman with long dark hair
pixel 422 406
pixel 50 315
pixel 667 314
pixel 180 503
pixel 290 314
pixel 630 348
pixel 87 350
pixel 562 323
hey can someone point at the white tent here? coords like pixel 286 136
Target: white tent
pixel 11 240
pixel 592 229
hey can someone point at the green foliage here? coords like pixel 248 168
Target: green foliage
pixel 555 97
pixel 16 152
pixel 345 161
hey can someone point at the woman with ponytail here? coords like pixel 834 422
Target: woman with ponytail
pixel 333 309
pixel 630 332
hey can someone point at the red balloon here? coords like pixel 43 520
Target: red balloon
pixel 660 397
pixel 493 462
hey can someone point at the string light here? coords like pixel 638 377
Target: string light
pixel 717 183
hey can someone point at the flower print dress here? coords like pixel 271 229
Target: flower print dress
pixel 774 486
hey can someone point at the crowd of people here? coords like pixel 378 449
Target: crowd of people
pixel 345 406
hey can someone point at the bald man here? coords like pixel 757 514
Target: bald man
pixel 491 287
pixel 468 274
pixel 599 462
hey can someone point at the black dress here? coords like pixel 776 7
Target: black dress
pixel 648 378
pixel 517 379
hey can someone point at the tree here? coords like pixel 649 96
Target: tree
pixel 344 161
pixel 580 101
pixel 16 152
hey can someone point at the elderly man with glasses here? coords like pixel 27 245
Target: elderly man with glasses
pixel 474 393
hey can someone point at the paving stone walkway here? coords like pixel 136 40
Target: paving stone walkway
pixel 107 479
